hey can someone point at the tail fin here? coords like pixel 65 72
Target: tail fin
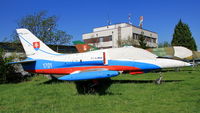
pixel 31 43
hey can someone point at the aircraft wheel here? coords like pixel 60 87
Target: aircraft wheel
pixel 93 86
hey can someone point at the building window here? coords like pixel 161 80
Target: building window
pixel 110 38
pixel 154 40
pixel 101 39
pixel 92 40
pixel 136 36
pixel 107 38
pixel 148 39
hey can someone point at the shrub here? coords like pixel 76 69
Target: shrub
pixel 7 71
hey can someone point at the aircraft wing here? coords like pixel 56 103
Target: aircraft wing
pixel 89 74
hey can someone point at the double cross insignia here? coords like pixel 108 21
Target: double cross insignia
pixel 36 45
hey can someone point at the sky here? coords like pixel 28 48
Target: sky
pixel 81 16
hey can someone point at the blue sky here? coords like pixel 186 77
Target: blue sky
pixel 81 16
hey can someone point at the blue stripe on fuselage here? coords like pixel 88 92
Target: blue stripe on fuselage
pixel 47 64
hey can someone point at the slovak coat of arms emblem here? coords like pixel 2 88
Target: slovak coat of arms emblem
pixel 36 45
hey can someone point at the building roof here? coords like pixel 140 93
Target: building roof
pixel 127 25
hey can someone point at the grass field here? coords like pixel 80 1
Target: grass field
pixel 180 93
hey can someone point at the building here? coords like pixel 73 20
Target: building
pixel 108 36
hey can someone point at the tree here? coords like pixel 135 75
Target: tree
pixel 183 37
pixel 60 37
pixel 44 27
pixel 164 44
pixel 127 42
pixel 142 41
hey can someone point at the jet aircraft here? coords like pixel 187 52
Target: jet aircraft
pixel 92 65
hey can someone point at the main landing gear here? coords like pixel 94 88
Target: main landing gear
pixel 98 86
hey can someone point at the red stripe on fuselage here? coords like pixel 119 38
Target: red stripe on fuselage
pixel 73 69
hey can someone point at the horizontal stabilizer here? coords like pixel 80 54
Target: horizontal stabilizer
pixel 21 62
pixel 89 75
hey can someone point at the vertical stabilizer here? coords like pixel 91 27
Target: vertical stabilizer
pixel 32 44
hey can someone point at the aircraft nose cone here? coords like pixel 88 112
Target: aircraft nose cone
pixel 188 64
pixel 169 63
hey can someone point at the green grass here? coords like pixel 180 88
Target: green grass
pixel 136 97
